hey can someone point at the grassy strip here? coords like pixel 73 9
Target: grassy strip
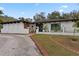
pixel 51 47
pixel 41 48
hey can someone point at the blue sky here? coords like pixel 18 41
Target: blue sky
pixel 29 9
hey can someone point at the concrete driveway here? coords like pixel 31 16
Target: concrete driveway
pixel 17 45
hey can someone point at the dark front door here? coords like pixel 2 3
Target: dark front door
pixel 41 28
pixel 40 25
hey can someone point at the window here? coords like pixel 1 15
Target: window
pixel 55 27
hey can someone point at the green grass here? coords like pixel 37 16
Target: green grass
pixel 52 48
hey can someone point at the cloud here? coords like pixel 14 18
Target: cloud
pixel 61 10
pixel 64 6
pixel 1 8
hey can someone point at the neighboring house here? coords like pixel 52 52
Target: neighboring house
pixel 48 26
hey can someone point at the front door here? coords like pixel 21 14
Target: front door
pixel 40 25
pixel 41 28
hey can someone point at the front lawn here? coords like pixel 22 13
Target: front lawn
pixel 53 49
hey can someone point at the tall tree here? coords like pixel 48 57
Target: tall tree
pixel 66 16
pixel 39 17
pixel 29 19
pixel 54 15
pixel 23 19
pixel 74 14
pixel 1 12
pixel 6 18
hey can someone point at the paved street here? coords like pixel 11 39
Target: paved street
pixel 17 45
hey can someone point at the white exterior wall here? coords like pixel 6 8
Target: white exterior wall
pixel 47 26
pixel 67 26
pixel 14 28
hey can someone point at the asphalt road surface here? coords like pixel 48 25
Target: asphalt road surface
pixel 17 45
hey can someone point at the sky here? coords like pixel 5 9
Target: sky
pixel 28 10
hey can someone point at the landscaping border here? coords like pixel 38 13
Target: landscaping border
pixel 41 49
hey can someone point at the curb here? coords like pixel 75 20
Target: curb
pixel 41 49
pixel 13 33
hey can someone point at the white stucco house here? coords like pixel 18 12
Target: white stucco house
pixel 39 27
pixel 57 26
